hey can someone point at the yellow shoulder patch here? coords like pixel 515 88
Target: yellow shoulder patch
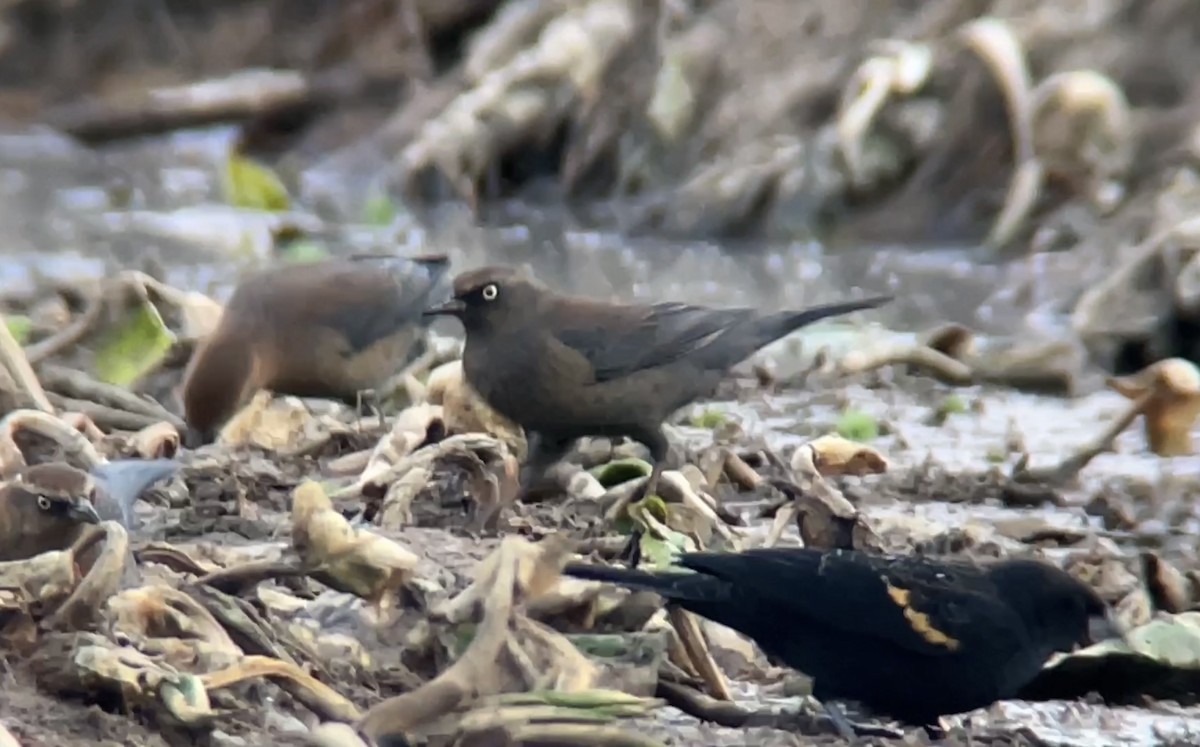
pixel 919 621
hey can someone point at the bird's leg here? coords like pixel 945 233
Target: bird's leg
pixel 936 730
pixel 544 451
pixel 659 450
pixel 848 729
pixel 366 403
pixel 631 553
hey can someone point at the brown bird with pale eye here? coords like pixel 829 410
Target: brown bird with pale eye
pixel 331 329
pixel 564 367
pixel 44 508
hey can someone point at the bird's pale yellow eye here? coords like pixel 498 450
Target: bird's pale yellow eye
pixel 43 503
pixel 490 291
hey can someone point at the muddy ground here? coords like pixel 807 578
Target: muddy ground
pixel 736 187
pixel 945 491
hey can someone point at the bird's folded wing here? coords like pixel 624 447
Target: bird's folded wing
pixel 619 340
pixel 368 308
pixel 905 601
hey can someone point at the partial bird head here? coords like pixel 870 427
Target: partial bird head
pixel 54 494
pixel 1068 611
pixel 220 377
pixel 490 297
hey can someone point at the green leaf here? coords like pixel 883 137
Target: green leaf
pixel 464 634
pixel 133 346
pixel 857 425
pixel 247 184
pixel 662 553
pixel 952 405
pixel 708 418
pixel 621 470
pixel 304 251
pixel 19 327
pixel 657 553
pixel 379 210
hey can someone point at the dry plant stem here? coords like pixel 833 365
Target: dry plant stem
pixel 921 356
pixel 675 482
pixel 78 385
pixel 237 96
pixel 48 577
pixel 69 335
pixel 172 557
pixel 101 581
pixel 697 650
pixel 1074 464
pixel 82 423
pixel 740 473
pixel 156 440
pixel 706 708
pixel 71 441
pixel 106 418
pixel 784 516
pixel 349 464
pixel 319 697
pixel 1000 50
pixel 454 685
pixel 241 577
pixel 607 548
pixel 810 486
pixel 13 359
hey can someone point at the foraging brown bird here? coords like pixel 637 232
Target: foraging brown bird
pixel 912 637
pixel 43 508
pixel 332 329
pixel 564 367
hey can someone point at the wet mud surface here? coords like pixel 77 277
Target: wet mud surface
pixel 69 213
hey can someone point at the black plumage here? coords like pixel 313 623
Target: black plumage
pixel 915 638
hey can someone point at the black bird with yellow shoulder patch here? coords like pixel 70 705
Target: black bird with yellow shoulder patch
pixel 914 638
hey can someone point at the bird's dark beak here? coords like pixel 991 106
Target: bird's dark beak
pixel 1105 627
pixel 452 307
pixel 83 510
pixel 194 438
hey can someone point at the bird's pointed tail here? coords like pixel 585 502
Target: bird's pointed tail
pixel 123 481
pixel 678 586
pixel 771 327
pixel 797 319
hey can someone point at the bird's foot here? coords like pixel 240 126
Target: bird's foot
pixel 851 730
pixel 937 730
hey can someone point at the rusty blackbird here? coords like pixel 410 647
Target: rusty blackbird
pixel 565 367
pixel 332 329
pixel 44 507
pixel 912 637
